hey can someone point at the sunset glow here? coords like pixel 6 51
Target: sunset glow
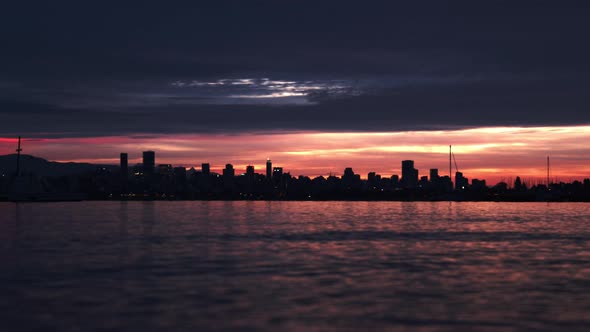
pixel 495 154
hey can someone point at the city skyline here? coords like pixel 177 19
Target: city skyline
pixel 515 152
pixel 153 179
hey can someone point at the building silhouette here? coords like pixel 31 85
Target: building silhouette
pixel 145 181
pixel 461 182
pixel 250 170
pixel 350 180
pixel 228 171
pixel 205 168
pixel 395 180
pixel 165 169
pixel 149 162
pixel 124 164
pixel 409 174
pixel 268 169
pixel 180 173
pixel 434 177
pixel 277 173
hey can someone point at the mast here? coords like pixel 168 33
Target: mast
pixel 18 151
pixel 450 166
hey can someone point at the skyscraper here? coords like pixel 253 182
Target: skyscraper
pixel 124 165
pixel 250 170
pixel 228 171
pixel 409 174
pixel 434 177
pixel 206 168
pixel 277 173
pixel 124 171
pixel 461 182
pixel 268 169
pixel 149 162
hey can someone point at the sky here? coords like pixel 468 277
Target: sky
pixel 317 86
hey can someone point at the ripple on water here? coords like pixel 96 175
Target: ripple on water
pixel 295 266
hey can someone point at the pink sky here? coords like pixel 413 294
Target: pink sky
pixel 494 154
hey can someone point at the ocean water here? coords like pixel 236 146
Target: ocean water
pixel 294 266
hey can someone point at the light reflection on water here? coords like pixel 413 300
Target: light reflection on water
pixel 295 265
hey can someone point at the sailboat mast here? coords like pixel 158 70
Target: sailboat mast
pixel 450 166
pixel 18 151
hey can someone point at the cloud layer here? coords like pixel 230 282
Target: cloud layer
pixel 72 69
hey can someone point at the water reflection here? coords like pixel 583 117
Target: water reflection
pixel 296 265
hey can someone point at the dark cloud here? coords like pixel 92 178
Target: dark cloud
pixel 72 68
pixel 425 106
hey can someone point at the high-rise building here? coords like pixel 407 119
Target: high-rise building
pixel 124 164
pixel 434 177
pixel 268 169
pixel 348 172
pixel 349 179
pixel 205 168
pixel 478 185
pixel 409 174
pixel 277 173
pixel 250 170
pixel 461 182
pixel 228 171
pixel 149 162
pixel 124 161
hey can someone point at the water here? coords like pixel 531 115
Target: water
pixel 198 266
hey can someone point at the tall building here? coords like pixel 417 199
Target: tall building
pixel 434 177
pixel 268 169
pixel 228 171
pixel 277 173
pixel 124 161
pixel 250 170
pixel 348 172
pixel 349 179
pixel 149 162
pixel 205 168
pixel 124 164
pixel 461 182
pixel 409 174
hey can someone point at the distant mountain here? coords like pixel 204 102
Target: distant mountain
pixel 42 167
